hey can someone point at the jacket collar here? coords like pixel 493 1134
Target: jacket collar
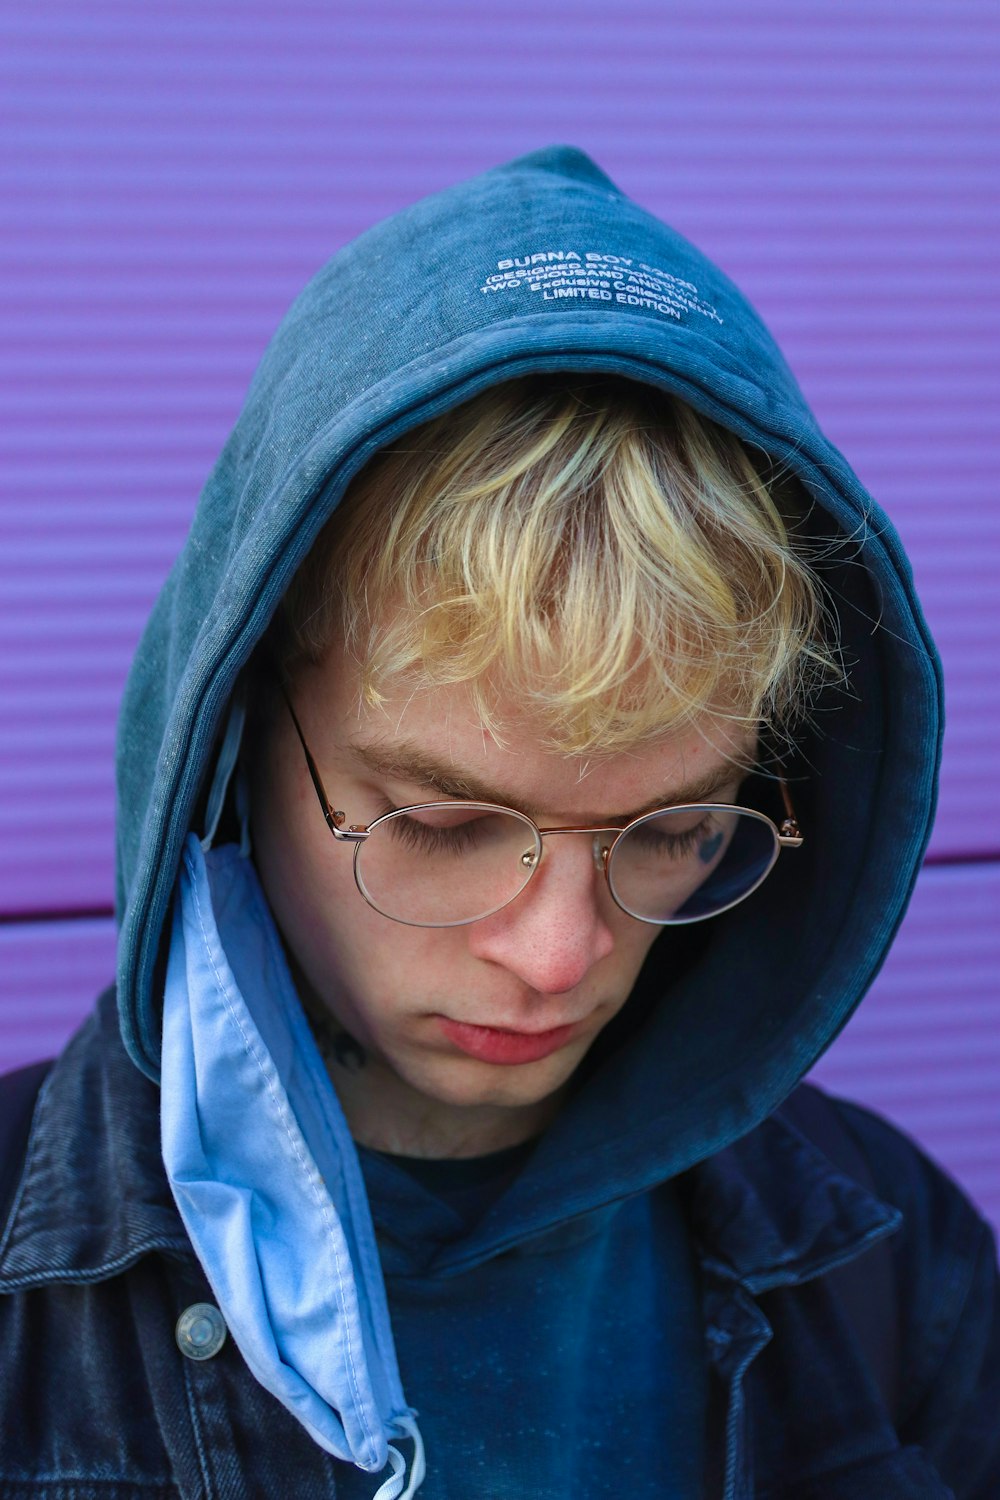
pixel 754 1230
pixel 93 1196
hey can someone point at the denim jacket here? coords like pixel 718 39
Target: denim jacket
pixel 98 1401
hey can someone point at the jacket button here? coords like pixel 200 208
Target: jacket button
pixel 200 1331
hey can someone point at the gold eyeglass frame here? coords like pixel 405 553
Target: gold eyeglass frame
pixel 788 836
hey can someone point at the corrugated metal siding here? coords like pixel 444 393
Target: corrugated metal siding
pixel 173 173
pixel 52 973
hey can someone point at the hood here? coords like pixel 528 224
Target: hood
pixel 542 266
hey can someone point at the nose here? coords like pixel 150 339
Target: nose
pixel 554 932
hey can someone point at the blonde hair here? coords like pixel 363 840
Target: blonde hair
pixel 590 549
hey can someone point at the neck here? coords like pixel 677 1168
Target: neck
pixel 384 1113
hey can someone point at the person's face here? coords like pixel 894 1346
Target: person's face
pixel 469 1033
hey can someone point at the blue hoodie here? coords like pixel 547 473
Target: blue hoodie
pixel 416 316
pixel 549 1330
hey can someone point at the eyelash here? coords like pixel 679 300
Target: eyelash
pixel 678 843
pixel 464 836
pixel 425 836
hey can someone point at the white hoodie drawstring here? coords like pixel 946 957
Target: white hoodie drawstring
pixel 392 1489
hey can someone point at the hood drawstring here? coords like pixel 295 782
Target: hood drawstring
pixel 392 1488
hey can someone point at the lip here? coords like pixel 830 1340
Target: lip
pixel 493 1044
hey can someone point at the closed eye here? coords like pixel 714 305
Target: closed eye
pixel 440 830
pixel 653 837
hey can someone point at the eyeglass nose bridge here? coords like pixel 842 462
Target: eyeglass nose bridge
pixel 600 848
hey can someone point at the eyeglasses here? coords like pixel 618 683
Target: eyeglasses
pixel 445 864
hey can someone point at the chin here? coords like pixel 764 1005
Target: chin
pixel 471 1083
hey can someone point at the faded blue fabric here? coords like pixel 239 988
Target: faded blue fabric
pixel 264 1172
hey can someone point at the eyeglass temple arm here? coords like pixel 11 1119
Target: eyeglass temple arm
pixel 789 836
pixel 334 819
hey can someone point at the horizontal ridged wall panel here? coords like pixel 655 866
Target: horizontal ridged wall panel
pixel 924 1048
pixel 51 974
pixel 172 174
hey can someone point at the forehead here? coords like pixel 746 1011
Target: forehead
pixel 419 732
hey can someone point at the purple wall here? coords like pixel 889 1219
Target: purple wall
pixel 173 173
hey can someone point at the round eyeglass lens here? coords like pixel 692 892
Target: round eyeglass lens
pixel 691 862
pixel 446 863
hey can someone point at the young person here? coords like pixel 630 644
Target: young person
pixel 522 777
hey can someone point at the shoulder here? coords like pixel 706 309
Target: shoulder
pixel 945 1246
pixel 18 1097
pixel 892 1164
pixel 948 1297
pixel 943 1234
pixel 86 1304
pixel 18 1093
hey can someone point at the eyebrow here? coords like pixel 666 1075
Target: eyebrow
pixel 404 761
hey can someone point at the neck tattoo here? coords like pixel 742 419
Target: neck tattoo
pixel 335 1044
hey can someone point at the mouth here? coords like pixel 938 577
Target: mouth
pixel 495 1044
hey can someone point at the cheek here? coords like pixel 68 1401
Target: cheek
pixel 633 941
pixel 323 917
pixel 364 966
pixel 306 877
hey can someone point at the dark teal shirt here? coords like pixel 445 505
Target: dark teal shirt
pixel 567 1363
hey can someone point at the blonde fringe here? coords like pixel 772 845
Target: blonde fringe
pixel 591 550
